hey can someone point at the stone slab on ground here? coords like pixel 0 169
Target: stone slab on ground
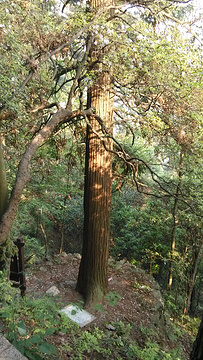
pixel 54 291
pixel 8 351
pixel 79 316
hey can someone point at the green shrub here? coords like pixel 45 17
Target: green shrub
pixel 30 322
pixel 7 292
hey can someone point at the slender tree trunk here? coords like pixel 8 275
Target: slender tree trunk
pixel 175 220
pixel 3 185
pixel 3 200
pixel 197 351
pixel 192 277
pixel 61 116
pixel 92 279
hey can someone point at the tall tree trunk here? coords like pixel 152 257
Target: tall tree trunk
pixel 3 185
pixel 92 279
pixel 197 351
pixel 175 220
pixel 93 273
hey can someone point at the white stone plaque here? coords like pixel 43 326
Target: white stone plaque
pixel 79 316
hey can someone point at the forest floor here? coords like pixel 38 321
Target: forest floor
pixel 139 304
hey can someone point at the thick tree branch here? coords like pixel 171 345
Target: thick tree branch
pixel 23 176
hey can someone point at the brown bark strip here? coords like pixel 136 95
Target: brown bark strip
pixel 92 279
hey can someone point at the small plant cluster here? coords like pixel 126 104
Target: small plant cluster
pixel 7 292
pixel 28 324
pixel 112 297
pixel 117 344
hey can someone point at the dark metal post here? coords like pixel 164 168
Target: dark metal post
pixel 17 268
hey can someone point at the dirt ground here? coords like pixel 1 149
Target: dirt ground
pixel 140 304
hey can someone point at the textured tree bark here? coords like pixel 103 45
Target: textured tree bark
pixel 93 272
pixel 3 185
pixel 92 279
pixel 197 351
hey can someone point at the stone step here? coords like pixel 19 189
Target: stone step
pixel 8 351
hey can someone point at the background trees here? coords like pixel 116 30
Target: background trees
pixel 157 76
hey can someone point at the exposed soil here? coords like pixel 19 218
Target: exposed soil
pixel 140 305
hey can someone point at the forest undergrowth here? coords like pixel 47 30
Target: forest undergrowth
pixel 131 323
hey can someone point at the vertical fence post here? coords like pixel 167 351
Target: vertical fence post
pixel 17 268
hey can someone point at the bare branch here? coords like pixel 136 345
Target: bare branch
pixel 183 24
pixel 78 72
pixel 131 162
pixel 45 105
pixel 25 82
